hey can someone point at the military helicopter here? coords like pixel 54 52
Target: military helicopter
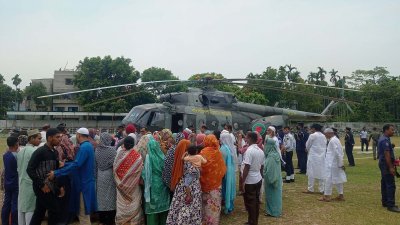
pixel 210 107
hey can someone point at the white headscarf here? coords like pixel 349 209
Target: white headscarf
pixel 272 128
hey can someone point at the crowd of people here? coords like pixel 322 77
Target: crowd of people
pixel 189 177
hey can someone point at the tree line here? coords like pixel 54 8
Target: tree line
pixel 376 100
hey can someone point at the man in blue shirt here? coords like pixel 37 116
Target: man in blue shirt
pixel 83 193
pixel 10 182
pixel 386 160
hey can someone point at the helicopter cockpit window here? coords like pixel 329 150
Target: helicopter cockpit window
pixel 156 119
pixel 134 115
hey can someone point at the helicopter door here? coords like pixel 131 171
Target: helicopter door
pixel 156 121
pixel 177 123
pixel 191 121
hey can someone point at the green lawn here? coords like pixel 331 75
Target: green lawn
pixel 362 205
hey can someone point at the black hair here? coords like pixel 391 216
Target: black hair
pixel 192 150
pixel 85 135
pixel 52 132
pixel 228 126
pixel 317 127
pixel 386 127
pixel 12 141
pixel 129 142
pixel 286 127
pixel 217 134
pixel 252 136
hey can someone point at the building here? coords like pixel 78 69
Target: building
pixel 62 81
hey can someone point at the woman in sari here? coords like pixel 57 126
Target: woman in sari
pixel 186 203
pixel 169 162
pixel 156 193
pixel 128 166
pixel 229 181
pixel 166 141
pixel 106 190
pixel 272 175
pixel 177 169
pixel 212 173
pixel 141 146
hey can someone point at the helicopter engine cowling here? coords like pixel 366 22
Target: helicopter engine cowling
pixel 260 125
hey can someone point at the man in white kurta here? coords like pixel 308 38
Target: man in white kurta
pixel 316 148
pixel 334 169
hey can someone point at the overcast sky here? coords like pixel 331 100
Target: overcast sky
pixel 195 36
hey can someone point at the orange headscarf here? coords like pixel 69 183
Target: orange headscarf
pixel 214 170
pixel 177 169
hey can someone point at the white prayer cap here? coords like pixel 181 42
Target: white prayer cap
pixel 328 130
pixel 272 128
pixel 83 131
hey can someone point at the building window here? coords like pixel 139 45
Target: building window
pixel 72 109
pixel 59 109
pixel 69 81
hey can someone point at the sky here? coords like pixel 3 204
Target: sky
pixel 230 37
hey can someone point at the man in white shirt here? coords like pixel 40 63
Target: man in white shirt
pixel 316 148
pixel 334 168
pixel 43 132
pixel 252 165
pixel 289 144
pixel 363 139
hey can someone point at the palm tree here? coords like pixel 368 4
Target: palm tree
pixel 320 75
pixel 16 81
pixel 312 77
pixel 291 76
pixel 334 78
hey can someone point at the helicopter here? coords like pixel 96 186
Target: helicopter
pixel 213 108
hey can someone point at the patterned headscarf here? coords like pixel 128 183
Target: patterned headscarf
pixel 22 140
pixel 141 146
pixel 105 153
pixel 169 161
pixel 166 140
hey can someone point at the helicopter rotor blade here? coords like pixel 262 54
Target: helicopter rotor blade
pixel 125 95
pixel 293 91
pixel 120 85
pixel 286 82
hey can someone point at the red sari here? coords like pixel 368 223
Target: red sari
pixel 128 167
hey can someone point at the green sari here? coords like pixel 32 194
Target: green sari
pixel 156 193
pixel 272 179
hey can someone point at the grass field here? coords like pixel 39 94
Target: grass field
pixel 362 205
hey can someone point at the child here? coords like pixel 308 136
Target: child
pixel 193 157
pixel 196 160
pixel 10 182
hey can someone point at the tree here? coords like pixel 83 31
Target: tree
pixel 18 95
pixel 100 72
pixel 16 81
pixel 334 77
pixel 374 76
pixel 213 76
pixel 160 74
pixel 6 99
pixel 35 90
pixel 2 79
